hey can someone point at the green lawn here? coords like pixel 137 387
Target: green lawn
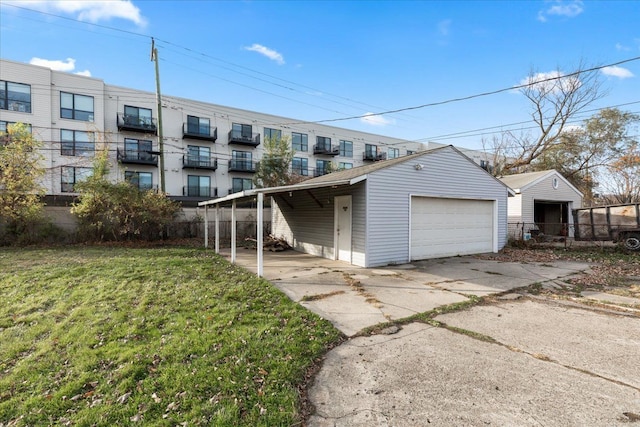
pixel 164 336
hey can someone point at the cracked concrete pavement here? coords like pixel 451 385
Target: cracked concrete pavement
pixel 540 362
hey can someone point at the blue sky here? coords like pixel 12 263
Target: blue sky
pixel 324 60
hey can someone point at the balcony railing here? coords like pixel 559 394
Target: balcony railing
pixel 137 123
pixel 137 157
pixel 326 149
pixel 237 137
pixel 242 166
pixel 374 157
pixel 320 172
pixel 198 191
pixel 204 133
pixel 199 162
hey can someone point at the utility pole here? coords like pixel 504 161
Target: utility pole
pixel 154 57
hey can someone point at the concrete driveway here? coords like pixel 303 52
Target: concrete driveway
pixel 520 361
pixel 353 298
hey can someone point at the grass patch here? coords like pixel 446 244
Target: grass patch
pixel 116 336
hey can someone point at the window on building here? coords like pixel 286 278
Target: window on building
pixel 15 97
pixel 198 186
pixel 137 115
pixel 323 143
pixel 70 176
pixel 241 130
pixel 241 184
pixel 141 180
pixel 138 149
pixel 198 125
pixel 77 143
pixel 370 150
pixel 410 152
pixel 4 126
pixel 323 167
pixel 346 148
pixel 242 160
pixel 299 141
pixel 76 107
pixel 393 153
pixel 345 165
pixel 300 166
pixel 275 134
pixel 199 154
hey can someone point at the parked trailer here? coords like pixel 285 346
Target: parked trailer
pixel 619 223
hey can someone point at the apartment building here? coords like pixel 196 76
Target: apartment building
pixel 208 150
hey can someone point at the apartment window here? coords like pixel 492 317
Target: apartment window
pixel 15 97
pixel 346 148
pixel 242 160
pixel 76 107
pixel 345 165
pixel 299 141
pixel 138 149
pixel 300 166
pixel 141 180
pixel 240 130
pixel 198 186
pixel 275 134
pixel 410 152
pixel 323 167
pixel 241 184
pixel 4 126
pixel 323 143
pixel 393 153
pixel 138 116
pixel 198 125
pixel 370 150
pixel 77 143
pixel 199 154
pixel 70 176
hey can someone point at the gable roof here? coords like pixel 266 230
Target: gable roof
pixel 522 181
pixel 339 178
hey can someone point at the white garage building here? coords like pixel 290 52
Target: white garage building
pixel 431 204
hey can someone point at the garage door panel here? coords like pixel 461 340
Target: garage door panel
pixel 446 227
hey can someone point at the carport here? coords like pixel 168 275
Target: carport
pixel 436 203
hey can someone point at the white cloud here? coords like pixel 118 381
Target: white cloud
pixel 56 64
pixel 444 27
pixel 91 11
pixel 551 81
pixel 621 47
pixel 269 53
pixel 371 119
pixel 568 9
pixel 615 71
pixel 59 65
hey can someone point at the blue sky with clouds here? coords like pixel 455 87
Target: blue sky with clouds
pixel 320 60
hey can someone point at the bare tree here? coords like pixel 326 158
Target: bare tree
pixel 555 98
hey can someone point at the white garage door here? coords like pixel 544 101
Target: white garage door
pixel 449 227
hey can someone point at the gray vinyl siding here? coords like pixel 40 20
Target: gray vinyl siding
pixel 444 174
pixel 309 227
pixel 543 190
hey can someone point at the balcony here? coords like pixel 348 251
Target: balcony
pixel 320 172
pixel 199 162
pixel 373 157
pixel 201 192
pixel 242 166
pixel 204 133
pixel 137 123
pixel 326 149
pixel 137 157
pixel 240 138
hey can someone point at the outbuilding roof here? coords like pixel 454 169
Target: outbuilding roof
pixel 522 181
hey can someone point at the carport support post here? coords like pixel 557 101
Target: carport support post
pixel 217 229
pixel 233 232
pixel 206 226
pixel 259 231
